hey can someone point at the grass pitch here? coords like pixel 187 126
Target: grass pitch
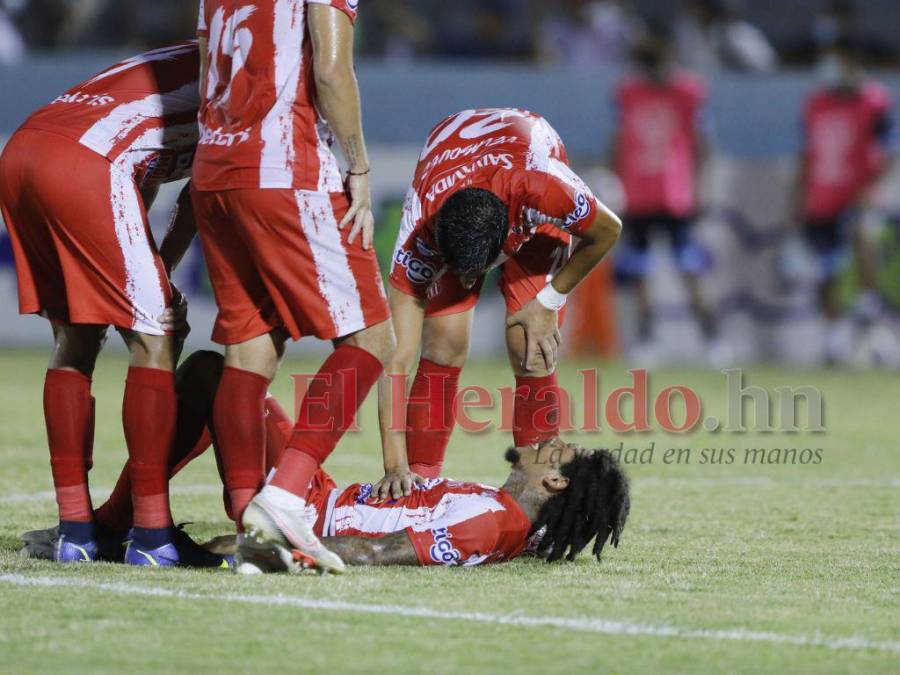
pixel 737 568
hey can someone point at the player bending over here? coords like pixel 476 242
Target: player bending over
pixel 76 181
pixel 577 495
pixel 492 188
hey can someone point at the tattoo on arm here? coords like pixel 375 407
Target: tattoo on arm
pixel 392 549
pixel 353 151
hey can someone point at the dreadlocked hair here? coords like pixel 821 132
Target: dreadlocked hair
pixel 594 506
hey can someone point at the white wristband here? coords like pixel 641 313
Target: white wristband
pixel 551 298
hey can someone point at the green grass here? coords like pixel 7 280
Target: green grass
pixel 806 551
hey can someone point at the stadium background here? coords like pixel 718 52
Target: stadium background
pixel 420 61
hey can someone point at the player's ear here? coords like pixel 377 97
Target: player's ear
pixel 554 482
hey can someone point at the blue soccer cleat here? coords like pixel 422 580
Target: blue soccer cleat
pixel 67 551
pixel 179 551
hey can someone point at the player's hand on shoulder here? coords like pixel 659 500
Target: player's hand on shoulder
pixel 396 483
pixel 542 336
pixel 360 213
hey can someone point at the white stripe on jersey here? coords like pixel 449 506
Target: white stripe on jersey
pixel 143 285
pixel 277 130
pixel 452 509
pixel 544 142
pixel 336 281
pixel 168 53
pixel 122 120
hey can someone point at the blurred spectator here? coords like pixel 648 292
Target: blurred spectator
pixel 589 32
pixel 847 128
pixel 483 29
pixel 839 19
pixel 713 34
pixel 394 30
pixel 658 153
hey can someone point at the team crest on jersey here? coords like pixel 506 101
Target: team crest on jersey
pixel 581 211
pixel 442 551
pixel 353 4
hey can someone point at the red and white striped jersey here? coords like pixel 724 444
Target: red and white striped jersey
pixel 513 153
pixel 140 114
pixel 258 119
pixel 448 522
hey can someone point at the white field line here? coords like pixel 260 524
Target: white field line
pixel 581 624
pixel 758 481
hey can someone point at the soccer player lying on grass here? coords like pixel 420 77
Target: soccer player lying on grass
pixel 493 188
pixel 572 495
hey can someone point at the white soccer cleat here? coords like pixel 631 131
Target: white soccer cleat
pixel 277 536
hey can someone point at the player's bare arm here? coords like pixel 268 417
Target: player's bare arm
pixel 175 244
pixel 408 314
pixel 338 96
pixel 539 317
pixel 392 549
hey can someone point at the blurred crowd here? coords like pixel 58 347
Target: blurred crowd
pixel 710 34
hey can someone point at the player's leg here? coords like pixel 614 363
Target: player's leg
pixel 320 285
pixel 239 415
pixel 536 408
pixel 196 381
pixel 430 411
pixel 41 177
pixel 632 262
pixel 248 325
pixel 69 416
pixel 693 264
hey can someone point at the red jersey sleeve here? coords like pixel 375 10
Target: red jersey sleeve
pixel 416 263
pixel 202 27
pixel 469 542
pixel 561 199
pixel 348 7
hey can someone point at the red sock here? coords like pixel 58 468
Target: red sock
pixel 68 412
pixel 536 411
pixel 429 417
pixel 279 428
pixel 327 411
pixel 149 414
pixel 239 422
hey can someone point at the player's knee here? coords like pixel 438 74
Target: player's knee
pixel 448 352
pixel 149 351
pixel 77 347
pixel 378 340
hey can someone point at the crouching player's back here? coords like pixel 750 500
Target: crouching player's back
pixel 557 499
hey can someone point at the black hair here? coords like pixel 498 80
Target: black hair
pixel 594 505
pixel 471 229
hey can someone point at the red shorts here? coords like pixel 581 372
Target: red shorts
pixel 276 258
pixel 82 244
pixel 521 277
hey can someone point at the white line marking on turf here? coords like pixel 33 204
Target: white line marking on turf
pixel 582 624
